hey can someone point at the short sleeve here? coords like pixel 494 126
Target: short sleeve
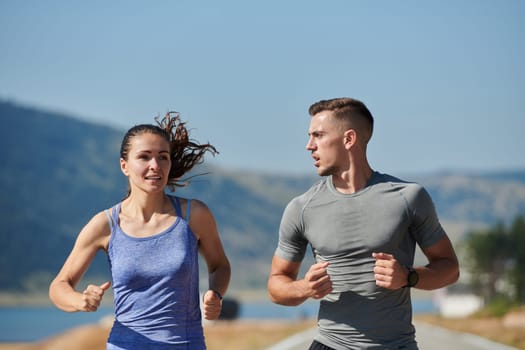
pixel 292 243
pixel 425 227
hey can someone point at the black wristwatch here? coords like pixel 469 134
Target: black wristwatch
pixel 412 277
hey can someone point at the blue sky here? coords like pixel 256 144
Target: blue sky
pixel 445 80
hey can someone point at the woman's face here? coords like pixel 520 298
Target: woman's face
pixel 148 164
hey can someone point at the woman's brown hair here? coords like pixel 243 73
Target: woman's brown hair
pixel 185 153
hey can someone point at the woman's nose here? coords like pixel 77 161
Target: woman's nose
pixel 153 163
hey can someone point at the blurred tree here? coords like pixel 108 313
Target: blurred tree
pixel 496 260
pixel 517 250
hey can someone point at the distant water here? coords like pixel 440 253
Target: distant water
pixel 30 323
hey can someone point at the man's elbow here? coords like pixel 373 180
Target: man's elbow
pixel 455 275
pixel 273 298
pixel 284 301
pixel 452 274
pixel 272 293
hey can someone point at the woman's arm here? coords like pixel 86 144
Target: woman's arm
pixel 93 237
pixel 204 227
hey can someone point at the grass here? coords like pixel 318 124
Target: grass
pixel 220 335
pixel 258 335
pixel 488 327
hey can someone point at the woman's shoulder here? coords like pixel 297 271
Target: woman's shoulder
pixel 197 211
pixel 198 207
pixel 195 203
pixel 101 223
pixel 97 231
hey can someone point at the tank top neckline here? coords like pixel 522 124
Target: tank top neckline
pixel 176 205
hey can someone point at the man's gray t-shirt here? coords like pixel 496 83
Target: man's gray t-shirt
pixel 390 216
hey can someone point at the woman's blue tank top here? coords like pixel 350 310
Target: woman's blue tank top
pixel 156 287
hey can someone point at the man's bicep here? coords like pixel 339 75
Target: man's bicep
pixel 284 268
pixel 443 267
pixel 442 249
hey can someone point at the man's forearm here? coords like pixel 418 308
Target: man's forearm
pixel 437 274
pixel 285 291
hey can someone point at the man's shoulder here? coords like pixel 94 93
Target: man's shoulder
pixel 395 182
pixel 311 192
pixel 299 202
pixel 413 192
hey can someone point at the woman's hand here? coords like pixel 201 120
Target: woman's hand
pixel 212 305
pixel 92 297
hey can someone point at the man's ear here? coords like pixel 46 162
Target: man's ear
pixel 123 167
pixel 350 138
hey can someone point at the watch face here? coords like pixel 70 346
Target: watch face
pixel 413 278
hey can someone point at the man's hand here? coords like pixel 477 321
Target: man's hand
pixel 92 296
pixel 212 305
pixel 388 272
pixel 317 283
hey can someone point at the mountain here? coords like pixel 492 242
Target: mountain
pixel 58 171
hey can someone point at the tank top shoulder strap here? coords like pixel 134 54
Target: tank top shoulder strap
pixel 176 204
pixel 188 207
pixel 112 215
pixel 110 219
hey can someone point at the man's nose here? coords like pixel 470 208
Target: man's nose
pixel 310 145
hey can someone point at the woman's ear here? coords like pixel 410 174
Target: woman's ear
pixel 124 167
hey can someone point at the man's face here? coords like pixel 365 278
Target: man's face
pixel 326 143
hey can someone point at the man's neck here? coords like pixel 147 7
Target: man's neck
pixel 352 180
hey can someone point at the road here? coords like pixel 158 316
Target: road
pixel 428 337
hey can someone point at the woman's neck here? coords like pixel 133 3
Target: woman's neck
pixel 143 205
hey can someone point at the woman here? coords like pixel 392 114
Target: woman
pixel 151 240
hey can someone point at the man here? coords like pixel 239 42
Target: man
pixel 363 227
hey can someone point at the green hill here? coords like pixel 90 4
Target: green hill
pixel 57 171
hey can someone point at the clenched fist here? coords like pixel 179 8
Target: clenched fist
pixel 92 296
pixel 212 305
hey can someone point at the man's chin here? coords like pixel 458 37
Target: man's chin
pixel 327 170
pixel 323 172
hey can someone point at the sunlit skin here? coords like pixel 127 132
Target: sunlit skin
pixel 147 168
pixel 326 142
pixel 145 212
pixel 148 164
pixel 340 151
